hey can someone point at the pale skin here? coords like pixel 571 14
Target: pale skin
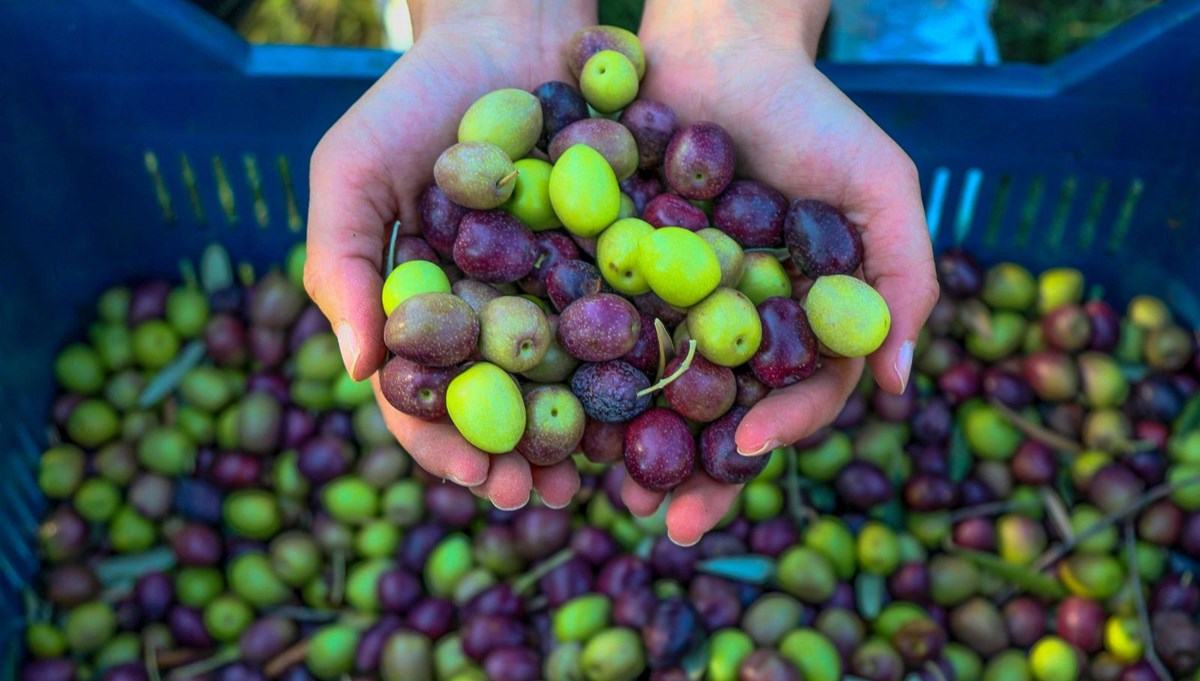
pixel 745 64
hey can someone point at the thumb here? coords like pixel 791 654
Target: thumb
pixel 349 199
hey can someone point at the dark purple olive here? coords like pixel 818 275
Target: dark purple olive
pixel 275 302
pixel 70 585
pixel 932 421
pixel 398 590
pixel 541 531
pixel 572 578
pixel 672 674
pixel 417 545
pixel 672 561
pixel 1007 387
pixel 877 660
pixel 323 458
pixel 978 534
pixel 1033 463
pixel 433 617
pixel 298 426
pixel 843 597
pixel 1175 592
pixel 154 592
pixel 49 669
pixel 959 273
pixel 196 545
pixel 1155 398
pixel 562 105
pixel 148 301
pixel 198 501
pixel 63 535
pixel 1025 619
pixel 496 600
pixel 1176 640
pixel 821 240
pixel 553 247
pixel 151 495
pixel 369 652
pixel 336 424
pixel 719 454
pixel 973 492
pixel 1141 671
pixel 750 390
pixel 129 671
pixel 652 124
pixel 931 459
pixel 1189 535
pixel 1105 324
pixel 451 505
pixel 960 382
pixel 767 665
pixel 1114 487
pixel 266 638
pixel 594 545
pixel 235 470
pixel 129 615
pixel 895 408
pixel 716 602
pixel 484 633
pixel 910 582
pixel 1151 467
pixel 721 543
pixel 603 442
pixel 924 492
pixel 919 641
pixel 273 383
pixel 187 626
pixel 1160 523
pixel 512 664
pixel 773 536
pixel 238 671
pixel 632 608
pixel 570 280
pixel 751 213
pixel 669 632
pixel 641 187
pixel 1080 622
pixel 862 485
pixel 623 573
pixel 409 248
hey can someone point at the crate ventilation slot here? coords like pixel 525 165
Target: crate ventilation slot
pixel 1125 216
pixel 1062 212
pixel 937 200
pixel 192 188
pixel 1087 233
pixel 996 218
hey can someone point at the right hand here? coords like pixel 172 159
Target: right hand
pixel 370 168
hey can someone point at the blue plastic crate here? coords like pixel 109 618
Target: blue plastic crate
pixel 133 132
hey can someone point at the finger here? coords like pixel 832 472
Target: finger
pixel 697 506
pixel 349 207
pixel 640 501
pixel 436 446
pixel 791 413
pixel 556 484
pixel 509 482
pixel 898 262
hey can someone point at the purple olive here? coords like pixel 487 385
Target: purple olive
pixel 673 561
pixel 451 505
pixel 862 485
pixel 322 459
pixel 540 531
pixel 632 608
pixel 440 219
pixel 572 578
pixel 433 617
pixel 398 590
pixel 623 573
pixel 773 536
pixel 187 626
pixel 372 642
pixel 594 545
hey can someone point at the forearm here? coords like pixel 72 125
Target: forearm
pixel 778 21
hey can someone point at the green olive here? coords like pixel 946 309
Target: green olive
pixel 362 582
pixel 729 647
pixel 196 586
pixel 295 557
pixel 449 561
pixel 167 451
pixel 613 655
pixel 823 462
pixel 349 499
pixel 155 343
pixel 113 305
pixel 187 311
pixel 830 537
pixel 130 532
pixel 92 423
pixel 806 574
pixel 377 539
pixel 78 369
pixel 813 654
pixel 89 625
pixel 252 578
pixel 582 617
pixel 407 656
pixel 45 640
pixel 97 500
pixel 878 549
pixel 120 649
pixel 253 514
pixel 331 652
pixel 60 471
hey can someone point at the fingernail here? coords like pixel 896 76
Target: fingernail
pixel 679 543
pixel 547 504
pixel 348 344
pixel 903 364
pixel 519 506
pixel 769 445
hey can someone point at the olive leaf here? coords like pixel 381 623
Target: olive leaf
pixel 216 269
pixel 1189 419
pixel 130 568
pixel 960 455
pixel 1022 577
pixel 869 590
pixel 169 377
pixel 749 569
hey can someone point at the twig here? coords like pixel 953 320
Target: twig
pixel 1057 512
pixel 1041 434
pixel 169 659
pixel 527 580
pixel 801 513
pixel 665 347
pixel 1056 552
pixel 338 589
pixel 281 662
pixel 684 366
pixel 391 254
pixel 1139 603
pixel 303 614
pixel 151 658
pixel 990 508
pixel 208 664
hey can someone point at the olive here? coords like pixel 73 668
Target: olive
pixel 669 632
pixel 49 669
pixel 195 587
pixel 716 601
pixel 613 655
pixel 806 574
pixel 978 625
pixel 919 641
pixel 812 654
pixel 89 625
pixel 541 531
pixel 632 608
pixel 433 617
pixel 369 651
pixel 251 577
pixel 331 650
pixel 45 640
pixel 875 660
pixel 512 664
pixel 843 627
pixel 266 638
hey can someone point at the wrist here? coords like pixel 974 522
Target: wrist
pixel 505 21
pixel 777 24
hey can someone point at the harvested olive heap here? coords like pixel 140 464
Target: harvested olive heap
pixel 227 504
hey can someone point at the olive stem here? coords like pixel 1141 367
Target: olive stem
pixel 1033 430
pixel 338 588
pixel 1057 512
pixel 508 178
pixel 1139 604
pixel 303 614
pixel 527 580
pixel 391 256
pixel 278 664
pixel 687 363
pixel 150 657
pixel 208 664
pixel 665 346
pixel 801 513
pixel 170 659
pixel 989 508
pixel 1056 552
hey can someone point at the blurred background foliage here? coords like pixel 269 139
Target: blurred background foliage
pixel 1037 31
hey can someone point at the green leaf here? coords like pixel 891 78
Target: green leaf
pixel 216 269
pixel 750 569
pixel 1189 419
pixel 129 568
pixel 169 377
pixel 695 663
pixel 624 13
pixel 868 594
pixel 1024 578
pixel 960 455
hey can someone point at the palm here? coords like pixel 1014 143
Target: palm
pixel 383 150
pixel 795 131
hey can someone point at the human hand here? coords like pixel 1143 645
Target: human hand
pixel 370 168
pixel 748 66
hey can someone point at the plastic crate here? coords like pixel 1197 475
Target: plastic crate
pixel 136 131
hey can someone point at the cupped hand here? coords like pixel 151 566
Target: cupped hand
pixel 371 166
pixel 749 68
